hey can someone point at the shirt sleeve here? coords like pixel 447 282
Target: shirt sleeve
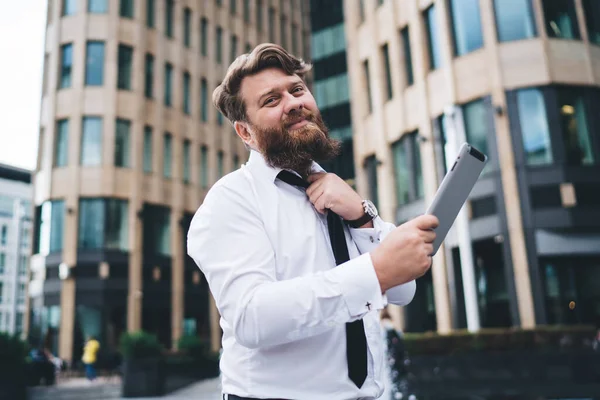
pixel 228 242
pixel 367 239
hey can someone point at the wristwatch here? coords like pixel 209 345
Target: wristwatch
pixel 370 214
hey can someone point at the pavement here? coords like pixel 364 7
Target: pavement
pixel 209 389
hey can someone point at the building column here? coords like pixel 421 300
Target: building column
pixel 508 174
pixel 177 281
pixel 135 289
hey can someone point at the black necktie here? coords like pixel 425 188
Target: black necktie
pixel 356 342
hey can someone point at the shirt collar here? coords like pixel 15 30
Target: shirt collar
pixel 258 162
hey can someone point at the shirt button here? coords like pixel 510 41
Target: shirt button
pixel 372 240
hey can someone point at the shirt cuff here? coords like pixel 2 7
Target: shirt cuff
pixel 367 239
pixel 360 286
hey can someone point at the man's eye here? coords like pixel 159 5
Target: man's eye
pixel 298 88
pixel 269 100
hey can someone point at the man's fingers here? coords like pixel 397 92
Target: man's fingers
pixel 427 222
pixel 428 236
pixel 313 177
pixel 319 203
pixel 314 188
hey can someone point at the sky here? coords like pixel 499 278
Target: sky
pixel 22 33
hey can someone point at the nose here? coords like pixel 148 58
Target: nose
pixel 293 104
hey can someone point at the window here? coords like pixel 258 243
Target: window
pixel 361 10
pixel 169 18
pixel 592 19
pixel 126 9
pixel 103 224
pixel 122 148
pixel 332 91
pixel 25 238
pixel 371 173
pixel 68 7
pixel 220 118
pixel 328 41
pixel 368 85
pixel 2 263
pixel 259 15
pixel 433 44
pixel 575 131
pixel 476 126
pixel 51 227
pixel 246 10
pixel 514 20
pixel 203 100
pixel 1 298
pixel 21 295
pixel 61 143
pixel 91 142
pixel 3 234
pixel 534 127
pixel 125 61
pixel 66 65
pixel 466 26
pixel 234 43
pixel 236 161
pixel 204 167
pixel 233 7
pixel 167 155
pixel 248 47
pixel 271 24
pixel 220 157
pixel 294 38
pixel 283 24
pixel 150 18
pixel 19 321
pixel 168 84
pixel 561 19
pixel 23 265
pixel 187 27
pixel 219 45
pixel 186 93
pixel 94 64
pixel 407 169
pixel 158 239
pixel 186 161
pixel 97 6
pixel 147 149
pixel 204 37
pixel 408 69
pixel 149 76
pixel 385 55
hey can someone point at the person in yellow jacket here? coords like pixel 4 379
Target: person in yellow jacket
pixel 90 352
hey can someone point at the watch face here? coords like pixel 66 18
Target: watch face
pixel 370 208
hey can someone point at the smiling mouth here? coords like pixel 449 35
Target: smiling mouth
pixel 297 124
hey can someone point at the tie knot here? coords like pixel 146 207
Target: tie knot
pixel 292 179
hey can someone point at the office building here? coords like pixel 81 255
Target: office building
pixel 129 145
pixel 16 193
pixel 525 77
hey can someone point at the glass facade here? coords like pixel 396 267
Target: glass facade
pixel 592 19
pixel 167 155
pixel 533 122
pixel 168 85
pixel 98 6
pixel 66 65
pixel 122 143
pixel 94 63
pixel 433 41
pixel 150 16
pixel 91 142
pixel 50 227
pixel 186 161
pixel 147 149
pixel 103 224
pixel 186 93
pixel 406 154
pixel 124 67
pixel 187 27
pixel 169 14
pixel 476 125
pixel 408 68
pixel 126 9
pixel 514 20
pixel 466 26
pixel 149 76
pixel 561 19
pixel 61 143
pixel 574 124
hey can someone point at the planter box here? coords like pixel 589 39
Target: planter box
pixel 12 385
pixel 143 377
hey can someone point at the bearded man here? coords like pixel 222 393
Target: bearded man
pixel 298 263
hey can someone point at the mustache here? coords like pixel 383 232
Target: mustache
pixel 297 116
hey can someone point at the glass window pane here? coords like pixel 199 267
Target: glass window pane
pixel 66 56
pixel 219 45
pixel 164 232
pixel 187 27
pixel 149 76
pixel 61 143
pixel 98 6
pixel 402 172
pixel 91 141
pixel 388 73
pixel 204 167
pixel 246 10
pixel 466 26
pixel 418 171
pixel 168 84
pixel 534 127
pixel 259 15
pixel 150 13
pixel 234 45
pixel 561 19
pixel 147 149
pixel 514 20
pixel 94 64
pixel 167 155
pixel 57 217
pixel 433 43
pixel 126 9
pixel 220 164
pixel 407 56
pixel 117 224
pixel 186 93
pixel 186 161
pixel 204 100
pixel 475 117
pixel 576 135
pixel 204 37
pixel 169 18
pixel 366 75
pixel 124 70
pixel 122 146
pixel 592 19
pixel 69 7
pixel 91 224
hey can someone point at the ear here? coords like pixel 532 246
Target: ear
pixel 241 128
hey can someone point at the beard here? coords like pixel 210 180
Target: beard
pixel 296 149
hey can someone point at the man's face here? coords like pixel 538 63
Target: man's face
pixel 284 123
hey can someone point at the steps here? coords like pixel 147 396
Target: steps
pixel 104 391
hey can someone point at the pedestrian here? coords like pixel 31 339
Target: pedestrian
pixel 89 358
pixel 298 263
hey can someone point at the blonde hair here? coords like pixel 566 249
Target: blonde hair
pixel 226 96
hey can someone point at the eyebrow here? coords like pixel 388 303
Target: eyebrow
pixel 275 89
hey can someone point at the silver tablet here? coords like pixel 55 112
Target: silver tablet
pixel 454 189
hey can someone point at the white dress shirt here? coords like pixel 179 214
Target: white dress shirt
pixel 266 254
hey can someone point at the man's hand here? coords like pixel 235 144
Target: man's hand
pixel 405 253
pixel 329 191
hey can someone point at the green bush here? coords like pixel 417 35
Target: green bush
pixel 193 346
pixel 13 351
pixel 140 344
pixel 541 338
